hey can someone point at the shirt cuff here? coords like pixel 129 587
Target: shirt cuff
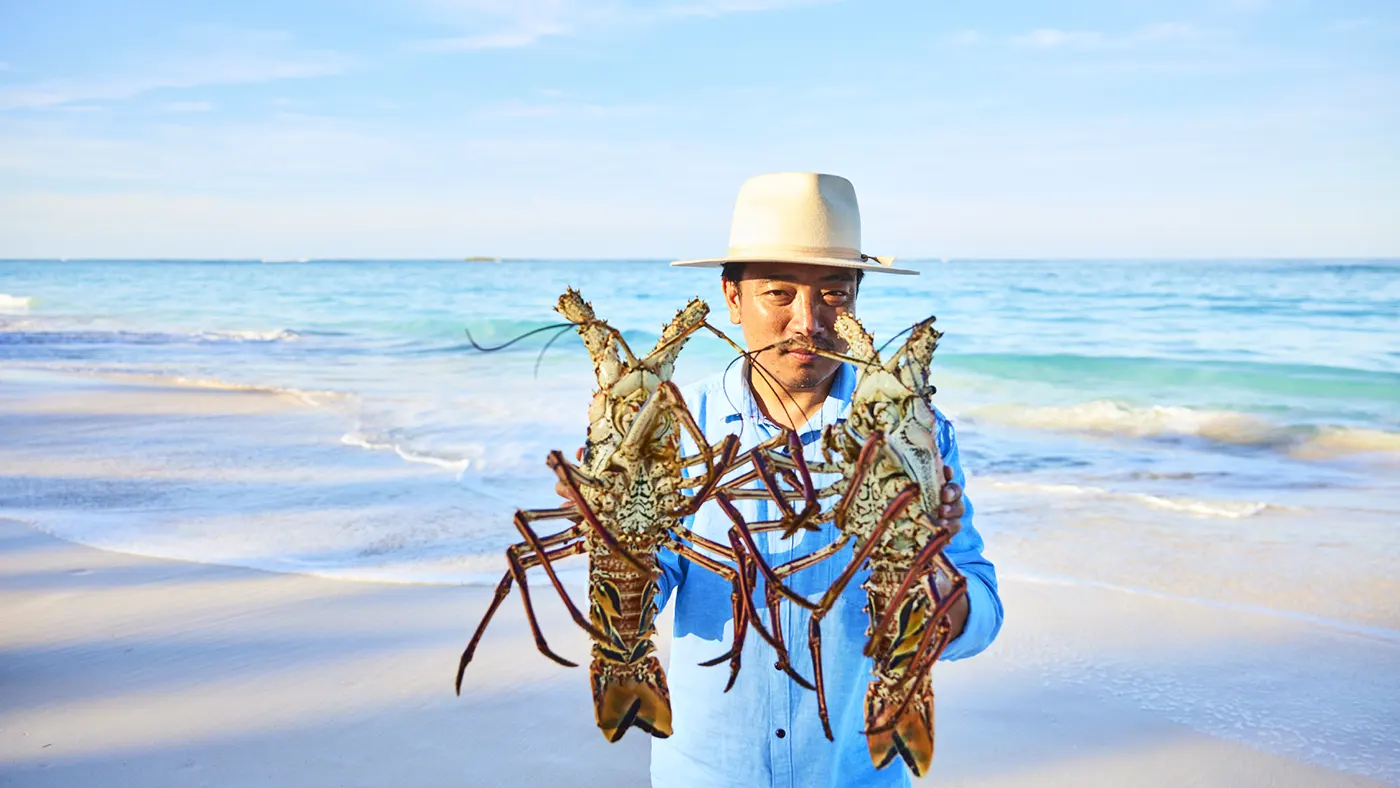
pixel 983 620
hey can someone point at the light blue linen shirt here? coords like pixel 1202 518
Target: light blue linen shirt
pixel 765 731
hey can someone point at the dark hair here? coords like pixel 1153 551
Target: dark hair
pixel 733 272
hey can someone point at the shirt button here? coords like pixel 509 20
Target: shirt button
pixel 781 733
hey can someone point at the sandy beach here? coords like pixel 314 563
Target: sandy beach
pixel 132 671
pixel 1234 665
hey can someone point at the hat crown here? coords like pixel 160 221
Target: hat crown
pixel 806 211
pixel 808 218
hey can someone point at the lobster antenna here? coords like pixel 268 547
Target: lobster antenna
pixel 540 358
pixel 752 357
pixel 476 346
pixel 880 351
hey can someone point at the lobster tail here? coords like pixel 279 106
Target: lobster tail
pixel 909 737
pixel 639 697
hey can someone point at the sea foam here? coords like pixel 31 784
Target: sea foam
pixel 11 304
pixel 1196 507
pixel 1232 428
pixel 276 335
pixel 312 397
pixel 360 440
pixel 1329 442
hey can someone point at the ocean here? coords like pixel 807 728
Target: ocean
pixel 1222 430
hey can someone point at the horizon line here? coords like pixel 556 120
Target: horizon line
pixel 607 259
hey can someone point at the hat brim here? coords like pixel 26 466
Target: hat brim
pixel 835 262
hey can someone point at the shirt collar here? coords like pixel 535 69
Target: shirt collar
pixel 843 387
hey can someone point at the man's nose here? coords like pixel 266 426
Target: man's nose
pixel 805 319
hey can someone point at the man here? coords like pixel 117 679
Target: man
pixel 793 266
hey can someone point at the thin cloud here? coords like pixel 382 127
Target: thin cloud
pixel 1365 24
pixel 528 22
pixel 516 109
pixel 189 106
pixel 1050 38
pixel 249 57
pixel 506 39
pixel 1161 33
pixel 964 38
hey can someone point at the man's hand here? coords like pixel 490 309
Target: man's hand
pixel 562 490
pixel 950 515
pixel 951 512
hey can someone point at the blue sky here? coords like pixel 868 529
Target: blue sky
pixel 596 128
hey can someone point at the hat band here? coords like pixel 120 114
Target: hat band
pixel 781 251
pixel 785 252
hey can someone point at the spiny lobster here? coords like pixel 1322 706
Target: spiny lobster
pixel 888 495
pixel 628 500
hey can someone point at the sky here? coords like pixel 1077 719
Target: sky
pixel 623 128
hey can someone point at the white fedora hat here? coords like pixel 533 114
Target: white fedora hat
pixel 797 217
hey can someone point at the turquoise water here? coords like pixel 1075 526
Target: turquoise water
pixel 1225 386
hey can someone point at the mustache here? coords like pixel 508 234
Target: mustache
pixel 804 342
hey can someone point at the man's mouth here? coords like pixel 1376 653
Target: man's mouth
pixel 802 356
pixel 804 347
pixel 805 350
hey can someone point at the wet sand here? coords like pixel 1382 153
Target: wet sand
pixel 128 670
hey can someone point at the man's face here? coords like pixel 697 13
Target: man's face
pixel 774 302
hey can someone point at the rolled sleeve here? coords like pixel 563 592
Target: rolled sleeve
pixel 984 611
pixel 672 573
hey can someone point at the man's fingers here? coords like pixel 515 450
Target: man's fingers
pixel 947 473
pixel 952 493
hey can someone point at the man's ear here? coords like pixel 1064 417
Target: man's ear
pixel 731 299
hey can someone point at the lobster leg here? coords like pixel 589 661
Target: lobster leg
pixel 741 538
pixel 728 448
pixel 566 473
pixel 522 523
pixel 682 414
pixel 931 645
pixel 915 573
pixel 814 626
pixel 744 580
pixel 801 479
pixel 765 447
pixel 774 639
pixel 770 483
pixel 516 572
pixel 764 462
pixel 770 575
pixel 736 577
pixel 924 659
pixel 784 663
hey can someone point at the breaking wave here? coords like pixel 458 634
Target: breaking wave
pixel 313 397
pixel 277 335
pixel 11 303
pixel 1196 507
pixel 23 334
pixel 1232 428
pixel 361 440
